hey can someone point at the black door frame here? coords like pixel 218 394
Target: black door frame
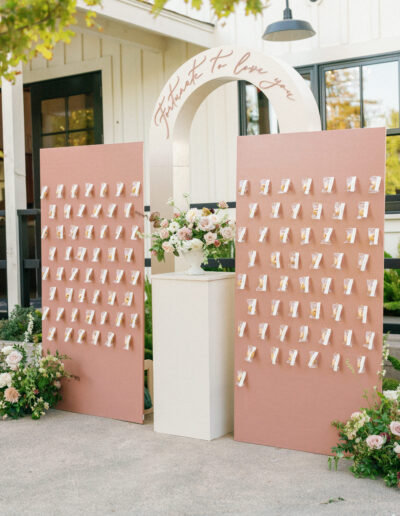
pixel 62 87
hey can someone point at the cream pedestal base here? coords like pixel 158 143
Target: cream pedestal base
pixel 193 353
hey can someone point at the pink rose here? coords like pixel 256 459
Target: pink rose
pixel 223 205
pixel 395 428
pixel 210 238
pixel 184 233
pixel 217 243
pixel 164 223
pixel 13 359
pixel 375 442
pixel 164 234
pixel 168 248
pixel 227 233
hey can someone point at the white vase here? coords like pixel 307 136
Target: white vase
pixel 194 259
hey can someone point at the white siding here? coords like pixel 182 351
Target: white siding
pixel 345 29
pixel 140 62
pixel 137 75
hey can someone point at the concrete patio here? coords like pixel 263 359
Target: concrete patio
pixel 71 464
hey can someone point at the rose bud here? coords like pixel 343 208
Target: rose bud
pixel 154 216
pixel 217 243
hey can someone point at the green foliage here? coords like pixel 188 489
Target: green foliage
pixel 395 362
pixel 390 384
pixel 148 321
pixel 392 159
pixel 371 460
pixel 391 288
pixel 221 8
pixel 32 27
pixel 15 327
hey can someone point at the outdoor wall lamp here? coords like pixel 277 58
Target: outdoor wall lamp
pixel 288 29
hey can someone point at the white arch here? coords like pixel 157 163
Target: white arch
pixel 182 95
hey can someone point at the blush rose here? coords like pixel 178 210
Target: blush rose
pixel 395 428
pixel 375 442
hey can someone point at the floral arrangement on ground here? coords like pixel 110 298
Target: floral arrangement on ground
pixel 29 382
pixel 207 230
pixel 371 439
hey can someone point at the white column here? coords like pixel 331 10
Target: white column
pixel 193 354
pixel 14 176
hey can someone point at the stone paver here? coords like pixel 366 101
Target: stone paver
pixel 70 464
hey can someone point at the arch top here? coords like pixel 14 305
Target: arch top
pixel 287 91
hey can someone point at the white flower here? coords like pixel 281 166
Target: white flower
pixel 210 238
pixel 196 244
pixel 173 240
pixel 186 245
pixel 227 233
pixel 391 395
pixel 5 380
pixel 192 215
pixel 173 227
pixel 214 218
pixel 396 449
pixel 13 359
pixel 205 224
pixel 7 350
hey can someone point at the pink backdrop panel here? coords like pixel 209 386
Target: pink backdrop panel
pixel 293 406
pixel 111 372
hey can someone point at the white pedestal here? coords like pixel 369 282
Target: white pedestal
pixel 193 353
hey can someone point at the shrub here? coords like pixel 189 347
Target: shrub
pixel 390 384
pixel 16 325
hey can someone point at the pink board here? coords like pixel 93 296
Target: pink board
pixel 110 363
pixel 292 406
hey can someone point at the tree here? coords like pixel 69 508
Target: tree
pixel 32 27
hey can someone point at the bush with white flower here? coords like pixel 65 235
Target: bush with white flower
pixel 371 439
pixel 207 230
pixel 29 385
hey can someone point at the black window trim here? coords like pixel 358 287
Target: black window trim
pixel 65 86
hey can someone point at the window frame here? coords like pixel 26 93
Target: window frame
pixel 62 87
pixel 392 202
pixel 317 75
pixel 352 63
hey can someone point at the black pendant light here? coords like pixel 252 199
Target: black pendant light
pixel 288 29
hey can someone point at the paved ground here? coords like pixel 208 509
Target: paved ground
pixel 69 464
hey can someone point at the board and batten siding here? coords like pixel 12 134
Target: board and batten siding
pixel 132 78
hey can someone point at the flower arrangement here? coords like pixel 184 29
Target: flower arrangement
pixel 29 383
pixel 371 438
pixel 207 230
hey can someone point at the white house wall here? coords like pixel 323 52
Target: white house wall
pixel 135 64
pixel 345 29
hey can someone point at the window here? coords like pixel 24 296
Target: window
pixel 357 93
pixel 366 93
pixel 65 112
pixel 257 115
